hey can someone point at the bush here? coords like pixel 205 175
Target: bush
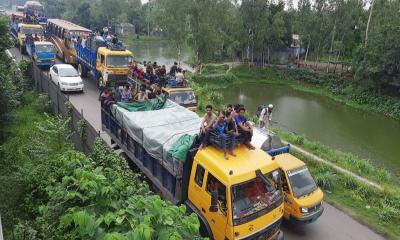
pixel 219 79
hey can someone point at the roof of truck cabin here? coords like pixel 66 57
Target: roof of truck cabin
pixel 288 162
pixel 106 51
pixel 68 25
pixel 236 169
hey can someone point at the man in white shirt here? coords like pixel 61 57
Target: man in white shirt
pixel 265 120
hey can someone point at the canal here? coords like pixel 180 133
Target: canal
pixel 366 134
pixel 336 125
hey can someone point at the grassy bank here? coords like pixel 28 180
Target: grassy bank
pixel 51 191
pixel 339 89
pixel 378 209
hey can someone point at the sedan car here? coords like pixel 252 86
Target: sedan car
pixel 66 77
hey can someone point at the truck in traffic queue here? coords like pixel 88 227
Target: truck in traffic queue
pixel 107 62
pixel 239 198
pixel 303 198
pixel 182 95
pixel 20 29
pixel 43 53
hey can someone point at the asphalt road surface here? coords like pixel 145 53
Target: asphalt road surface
pixel 332 225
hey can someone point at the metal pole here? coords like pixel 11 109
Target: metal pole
pixel 1 231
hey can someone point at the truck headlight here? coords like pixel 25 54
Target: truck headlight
pixel 304 210
pixel 64 83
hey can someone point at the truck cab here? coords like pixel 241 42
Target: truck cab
pixel 28 29
pixel 183 96
pixel 239 198
pixel 303 198
pixel 42 53
pixel 112 64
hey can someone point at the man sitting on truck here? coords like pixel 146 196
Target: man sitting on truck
pixel 220 135
pixel 208 120
pixel 245 128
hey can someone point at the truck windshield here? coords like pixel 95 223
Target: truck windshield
pixel 118 61
pixel 183 98
pixel 301 181
pixel 68 72
pixel 45 48
pixel 33 31
pixel 255 198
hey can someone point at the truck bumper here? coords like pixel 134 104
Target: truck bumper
pixel 307 219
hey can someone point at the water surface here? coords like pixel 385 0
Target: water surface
pixel 369 135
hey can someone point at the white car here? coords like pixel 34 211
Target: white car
pixel 66 77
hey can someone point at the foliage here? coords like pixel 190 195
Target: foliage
pixel 59 193
pixel 379 209
pixel 214 69
pixel 348 161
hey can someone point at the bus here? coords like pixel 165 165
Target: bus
pixel 62 33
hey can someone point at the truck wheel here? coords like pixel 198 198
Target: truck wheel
pixel 100 82
pixel 82 70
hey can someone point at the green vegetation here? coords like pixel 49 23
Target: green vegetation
pixel 214 69
pixel 50 191
pixel 339 89
pixel 378 209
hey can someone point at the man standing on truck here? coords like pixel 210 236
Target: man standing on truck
pixel 265 119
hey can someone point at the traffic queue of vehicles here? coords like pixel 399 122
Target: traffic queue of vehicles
pixel 243 198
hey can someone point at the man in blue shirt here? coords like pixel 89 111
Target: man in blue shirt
pixel 245 128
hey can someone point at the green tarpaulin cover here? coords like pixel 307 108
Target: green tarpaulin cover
pixel 181 147
pixel 156 104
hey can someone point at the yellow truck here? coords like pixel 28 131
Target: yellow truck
pixel 21 30
pixel 303 198
pixel 239 198
pixel 107 62
pixel 183 96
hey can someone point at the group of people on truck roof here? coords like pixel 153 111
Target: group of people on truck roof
pixel 229 126
pixel 129 93
pixel 154 73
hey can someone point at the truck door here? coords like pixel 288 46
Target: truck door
pixel 217 220
pixel 101 61
pixel 288 200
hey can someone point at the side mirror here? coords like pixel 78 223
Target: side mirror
pixel 214 201
pixel 275 176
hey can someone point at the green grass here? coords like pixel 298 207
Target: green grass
pixel 349 161
pixel 380 210
pixel 13 151
pixel 214 69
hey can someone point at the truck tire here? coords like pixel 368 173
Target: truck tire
pixel 100 82
pixel 82 70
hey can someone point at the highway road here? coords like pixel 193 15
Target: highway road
pixel 332 225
